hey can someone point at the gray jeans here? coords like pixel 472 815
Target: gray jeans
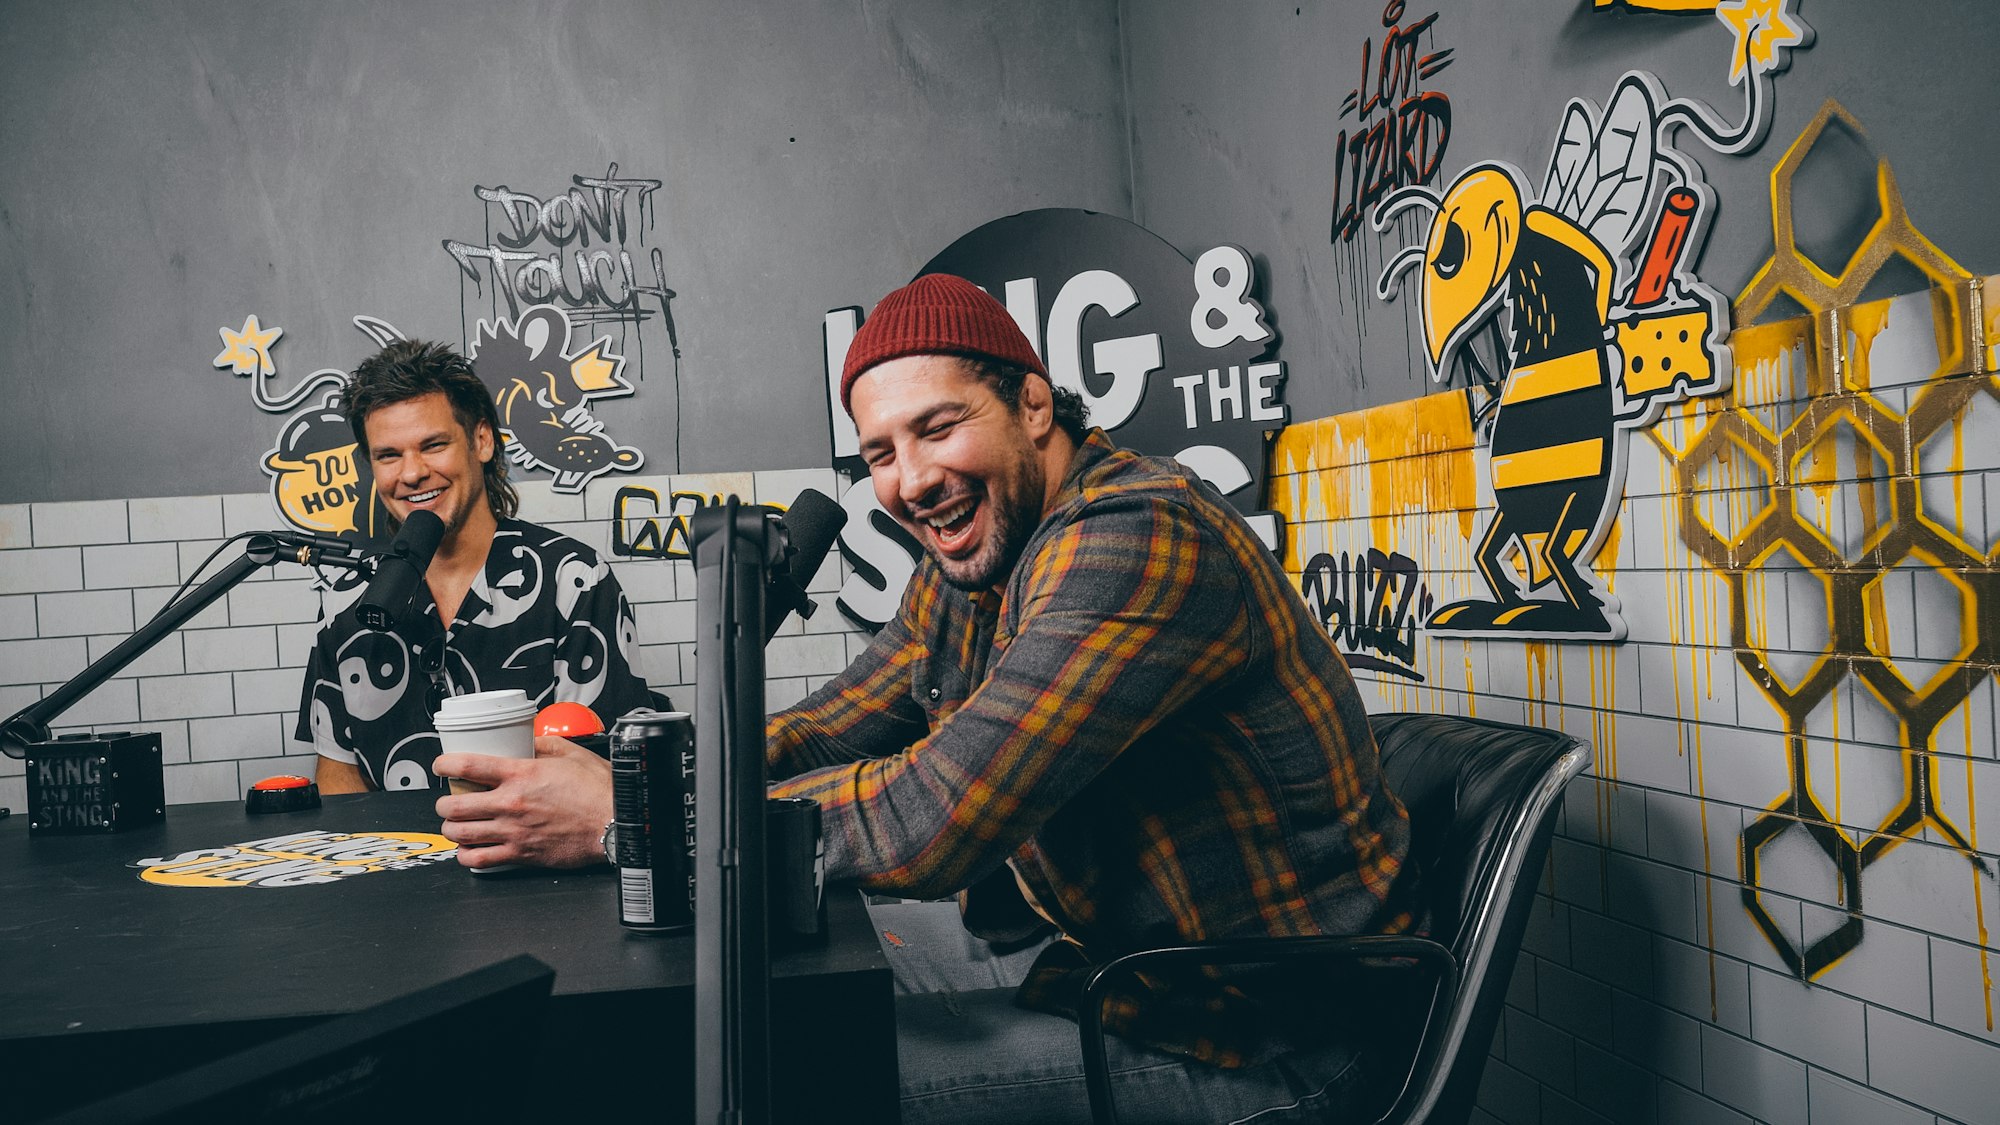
pixel 968 1055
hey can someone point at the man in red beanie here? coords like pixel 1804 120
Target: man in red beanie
pixel 1101 709
pixel 1102 718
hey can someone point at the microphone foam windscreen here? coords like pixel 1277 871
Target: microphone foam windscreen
pixel 814 520
pixel 421 534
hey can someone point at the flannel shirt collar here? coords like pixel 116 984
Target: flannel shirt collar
pixel 1090 453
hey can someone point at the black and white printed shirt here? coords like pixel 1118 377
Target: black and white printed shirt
pixel 544 615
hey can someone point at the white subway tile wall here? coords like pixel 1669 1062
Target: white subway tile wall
pixel 1647 990
pixel 223 691
pixel 1786 921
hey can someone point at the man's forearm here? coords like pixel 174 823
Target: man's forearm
pixel 335 776
pixel 862 713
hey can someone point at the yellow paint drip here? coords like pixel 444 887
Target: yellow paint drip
pixel 1420 460
pixel 1395 465
pixel 1562 695
pixel 1865 323
pixel 1709 615
pixel 1768 359
pixel 1293 448
pixel 1956 469
pixel 1537 654
pixel 1603 665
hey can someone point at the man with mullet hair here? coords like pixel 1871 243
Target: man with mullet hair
pixel 504 604
pixel 1102 718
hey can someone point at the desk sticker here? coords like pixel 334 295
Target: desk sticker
pixel 297 860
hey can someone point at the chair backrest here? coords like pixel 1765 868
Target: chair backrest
pixel 1482 798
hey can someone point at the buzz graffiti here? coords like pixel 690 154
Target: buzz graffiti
pixel 1605 322
pixel 1370 603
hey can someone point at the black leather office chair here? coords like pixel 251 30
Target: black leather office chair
pixel 1482 798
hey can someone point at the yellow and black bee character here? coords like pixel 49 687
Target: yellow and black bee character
pixel 1597 345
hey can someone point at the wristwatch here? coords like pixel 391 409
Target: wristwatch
pixel 609 842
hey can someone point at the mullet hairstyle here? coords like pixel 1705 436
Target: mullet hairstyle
pixel 1071 412
pixel 410 369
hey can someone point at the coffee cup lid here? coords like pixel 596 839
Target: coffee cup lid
pixel 483 709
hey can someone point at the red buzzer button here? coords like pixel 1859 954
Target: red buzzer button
pixel 283 793
pixel 283 781
pixel 567 719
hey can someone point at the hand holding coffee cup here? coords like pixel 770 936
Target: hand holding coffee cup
pixel 547 811
pixel 496 723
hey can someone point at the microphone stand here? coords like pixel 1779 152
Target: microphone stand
pixel 30 725
pixel 735 547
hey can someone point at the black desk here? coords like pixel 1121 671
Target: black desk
pixel 107 981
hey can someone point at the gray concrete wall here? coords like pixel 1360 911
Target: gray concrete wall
pixel 1237 111
pixel 171 168
pixel 1648 991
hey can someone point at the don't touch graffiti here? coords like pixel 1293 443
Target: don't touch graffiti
pixel 581 248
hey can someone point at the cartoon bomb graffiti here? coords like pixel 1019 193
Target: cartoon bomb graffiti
pixel 542 391
pixel 318 479
pixel 1598 344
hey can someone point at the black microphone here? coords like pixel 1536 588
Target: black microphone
pixel 325 544
pixel 305 549
pixel 398 573
pixel 812 524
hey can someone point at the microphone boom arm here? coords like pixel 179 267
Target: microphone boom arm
pixel 30 724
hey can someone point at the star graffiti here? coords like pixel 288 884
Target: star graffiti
pixel 1765 31
pixel 248 352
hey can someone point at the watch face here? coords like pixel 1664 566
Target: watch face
pixel 610 842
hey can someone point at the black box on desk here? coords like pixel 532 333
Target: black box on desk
pixel 90 783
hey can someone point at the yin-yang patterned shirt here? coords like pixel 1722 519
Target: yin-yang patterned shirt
pixel 544 615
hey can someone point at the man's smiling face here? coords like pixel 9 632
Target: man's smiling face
pixel 953 463
pixel 424 460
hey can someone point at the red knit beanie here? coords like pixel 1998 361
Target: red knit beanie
pixel 937 314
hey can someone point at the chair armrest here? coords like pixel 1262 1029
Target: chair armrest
pixel 1242 951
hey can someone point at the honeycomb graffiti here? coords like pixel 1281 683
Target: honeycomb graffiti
pixel 1761 503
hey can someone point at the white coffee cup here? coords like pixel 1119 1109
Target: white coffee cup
pixel 500 723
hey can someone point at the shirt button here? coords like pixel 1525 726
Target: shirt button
pixel 935 694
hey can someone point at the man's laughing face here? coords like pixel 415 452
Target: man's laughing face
pixel 952 463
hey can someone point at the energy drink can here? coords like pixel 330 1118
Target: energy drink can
pixel 797 880
pixel 652 841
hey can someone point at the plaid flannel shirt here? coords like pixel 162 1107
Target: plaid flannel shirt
pixel 1147 726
